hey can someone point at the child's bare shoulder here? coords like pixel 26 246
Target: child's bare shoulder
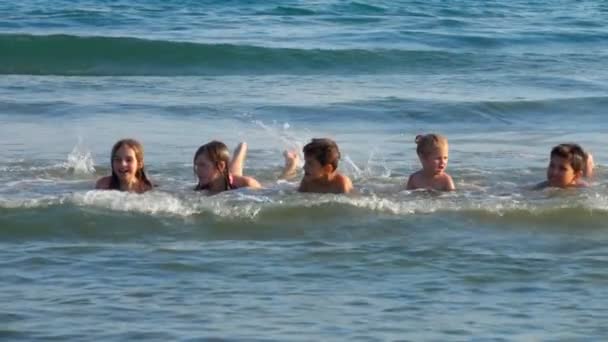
pixel 103 183
pixel 541 185
pixel 447 182
pixel 413 182
pixel 246 182
pixel 304 186
pixel 343 183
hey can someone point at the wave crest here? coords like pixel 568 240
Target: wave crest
pixel 113 56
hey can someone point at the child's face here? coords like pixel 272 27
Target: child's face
pixel 313 169
pixel 206 170
pixel 124 164
pixel 560 173
pixel 436 161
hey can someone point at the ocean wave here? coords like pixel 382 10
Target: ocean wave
pixel 120 217
pixel 248 206
pixel 398 109
pixel 466 111
pixel 287 11
pixel 111 56
pixel 360 8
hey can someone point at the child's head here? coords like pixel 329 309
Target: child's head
pixel 432 150
pixel 321 158
pixel 210 163
pixel 127 163
pixel 566 165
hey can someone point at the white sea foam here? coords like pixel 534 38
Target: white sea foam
pixel 250 205
pixel 154 202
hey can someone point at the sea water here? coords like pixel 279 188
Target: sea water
pixel 503 80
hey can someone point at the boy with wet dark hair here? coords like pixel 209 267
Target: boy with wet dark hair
pixel 568 165
pixel 321 158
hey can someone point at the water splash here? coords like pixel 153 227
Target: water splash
pixel 282 134
pixel 80 161
pixel 351 168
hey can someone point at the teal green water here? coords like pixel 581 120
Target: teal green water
pixel 493 261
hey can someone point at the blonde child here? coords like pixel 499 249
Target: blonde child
pixel 432 150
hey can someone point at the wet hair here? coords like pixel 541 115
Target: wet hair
pixel 216 152
pixel 574 153
pixel 325 151
pixel 428 143
pixel 140 174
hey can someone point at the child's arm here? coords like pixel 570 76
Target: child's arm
pixel 238 159
pixel 247 182
pixel 589 165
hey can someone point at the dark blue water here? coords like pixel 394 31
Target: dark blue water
pixel 504 81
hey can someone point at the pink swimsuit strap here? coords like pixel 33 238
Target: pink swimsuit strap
pixel 230 184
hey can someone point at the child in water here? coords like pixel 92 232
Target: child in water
pixel 321 158
pixel 568 165
pixel 432 150
pixel 128 174
pixel 216 173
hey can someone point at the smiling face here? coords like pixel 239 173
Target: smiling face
pixel 436 161
pixel 206 170
pixel 125 164
pixel 560 173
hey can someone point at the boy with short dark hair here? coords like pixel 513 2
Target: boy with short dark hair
pixel 321 158
pixel 568 165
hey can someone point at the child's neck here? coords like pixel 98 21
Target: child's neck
pixel 431 173
pixel 130 185
pixel 217 185
pixel 328 177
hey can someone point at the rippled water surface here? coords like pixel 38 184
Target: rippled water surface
pixel 495 260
